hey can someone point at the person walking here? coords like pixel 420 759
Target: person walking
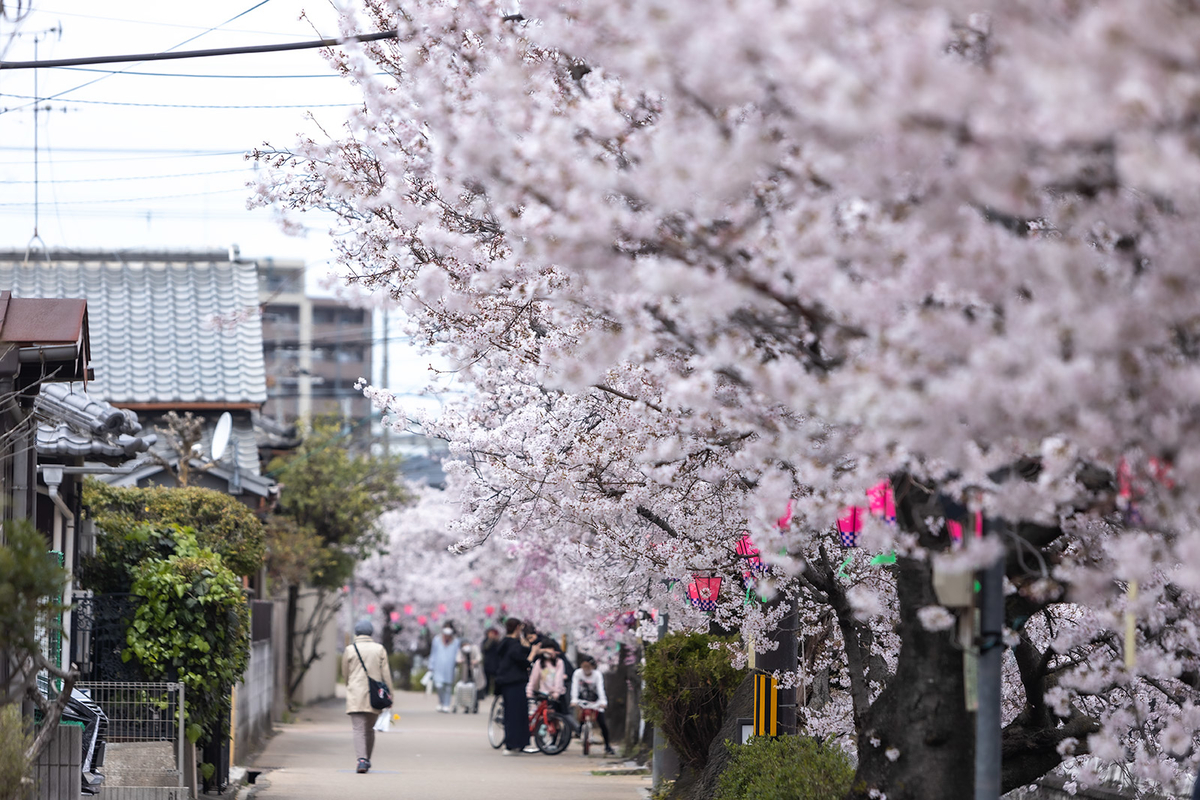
pixel 512 672
pixel 362 659
pixel 443 658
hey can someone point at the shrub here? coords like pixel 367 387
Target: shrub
pixel 15 739
pixel 688 686
pixel 786 768
pixel 222 524
pixel 193 625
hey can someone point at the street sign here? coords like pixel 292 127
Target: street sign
pixel 766 705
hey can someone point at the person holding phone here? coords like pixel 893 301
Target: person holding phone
pixel 515 655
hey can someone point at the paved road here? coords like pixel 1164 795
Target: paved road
pixel 429 756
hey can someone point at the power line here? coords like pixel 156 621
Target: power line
pixel 138 199
pixel 181 105
pixel 243 170
pixel 53 13
pixel 104 77
pixel 204 75
pixel 217 51
pixel 124 158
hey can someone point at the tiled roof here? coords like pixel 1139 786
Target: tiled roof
pixel 173 331
pixel 72 424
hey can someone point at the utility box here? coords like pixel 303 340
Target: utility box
pixel 954 588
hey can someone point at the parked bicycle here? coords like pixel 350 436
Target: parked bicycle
pixel 550 730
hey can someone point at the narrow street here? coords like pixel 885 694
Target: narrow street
pixel 428 755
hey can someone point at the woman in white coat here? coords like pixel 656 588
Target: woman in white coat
pixel 364 657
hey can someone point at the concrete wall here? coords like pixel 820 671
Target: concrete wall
pixel 321 680
pixel 255 698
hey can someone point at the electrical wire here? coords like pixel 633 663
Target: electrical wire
pixel 25 162
pixel 152 23
pixel 205 75
pixel 180 105
pixel 138 199
pixel 172 47
pixel 140 177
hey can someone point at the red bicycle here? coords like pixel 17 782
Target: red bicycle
pixel 550 730
pixel 587 718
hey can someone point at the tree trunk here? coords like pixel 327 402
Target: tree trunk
pixel 920 718
pixel 633 705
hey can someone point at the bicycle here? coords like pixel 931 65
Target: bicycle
pixel 549 729
pixel 587 716
pixel 496 723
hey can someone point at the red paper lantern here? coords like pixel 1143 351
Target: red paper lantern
pixel 703 591
pixel 750 554
pixel 489 610
pixel 394 616
pixel 468 605
pixel 370 608
pixel 421 620
pixel 408 610
pixel 850 525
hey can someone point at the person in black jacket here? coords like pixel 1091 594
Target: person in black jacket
pixel 491 658
pixel 515 655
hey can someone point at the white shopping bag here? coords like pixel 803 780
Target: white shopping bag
pixel 427 682
pixel 383 723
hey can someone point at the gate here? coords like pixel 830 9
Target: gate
pixel 143 757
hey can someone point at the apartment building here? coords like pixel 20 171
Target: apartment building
pixel 315 348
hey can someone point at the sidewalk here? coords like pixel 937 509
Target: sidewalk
pixel 427 756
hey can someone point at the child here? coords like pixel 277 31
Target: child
pixel 587 686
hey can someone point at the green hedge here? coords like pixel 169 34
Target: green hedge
pixel 787 768
pixel 222 524
pixel 688 686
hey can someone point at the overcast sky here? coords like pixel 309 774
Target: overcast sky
pixel 153 157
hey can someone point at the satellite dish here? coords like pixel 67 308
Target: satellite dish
pixel 220 438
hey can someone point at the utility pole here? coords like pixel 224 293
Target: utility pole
pixel 385 382
pixel 991 654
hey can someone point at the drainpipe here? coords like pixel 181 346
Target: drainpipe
pixel 53 476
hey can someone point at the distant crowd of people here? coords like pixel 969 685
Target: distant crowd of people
pixel 516 666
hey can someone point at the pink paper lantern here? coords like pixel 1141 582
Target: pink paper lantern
pixel 503 608
pixel 489 610
pixel 442 608
pixel 882 501
pixel 421 620
pixel 394 616
pixel 408 610
pixel 850 525
pixel 370 608
pixel 468 605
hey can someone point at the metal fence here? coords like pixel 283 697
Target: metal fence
pixel 144 757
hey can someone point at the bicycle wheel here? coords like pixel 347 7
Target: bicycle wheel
pixel 553 734
pixel 585 736
pixel 496 723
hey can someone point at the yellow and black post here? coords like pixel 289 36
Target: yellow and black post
pixel 766 705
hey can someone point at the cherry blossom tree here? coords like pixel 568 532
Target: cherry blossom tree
pixel 700 262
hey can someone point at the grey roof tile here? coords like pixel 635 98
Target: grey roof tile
pixel 155 329
pixel 71 423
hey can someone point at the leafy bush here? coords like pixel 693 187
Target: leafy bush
pixel 193 625
pixel 786 768
pixel 688 686
pixel 14 742
pixel 222 524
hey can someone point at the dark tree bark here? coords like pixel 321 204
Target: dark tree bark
pixel 921 712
